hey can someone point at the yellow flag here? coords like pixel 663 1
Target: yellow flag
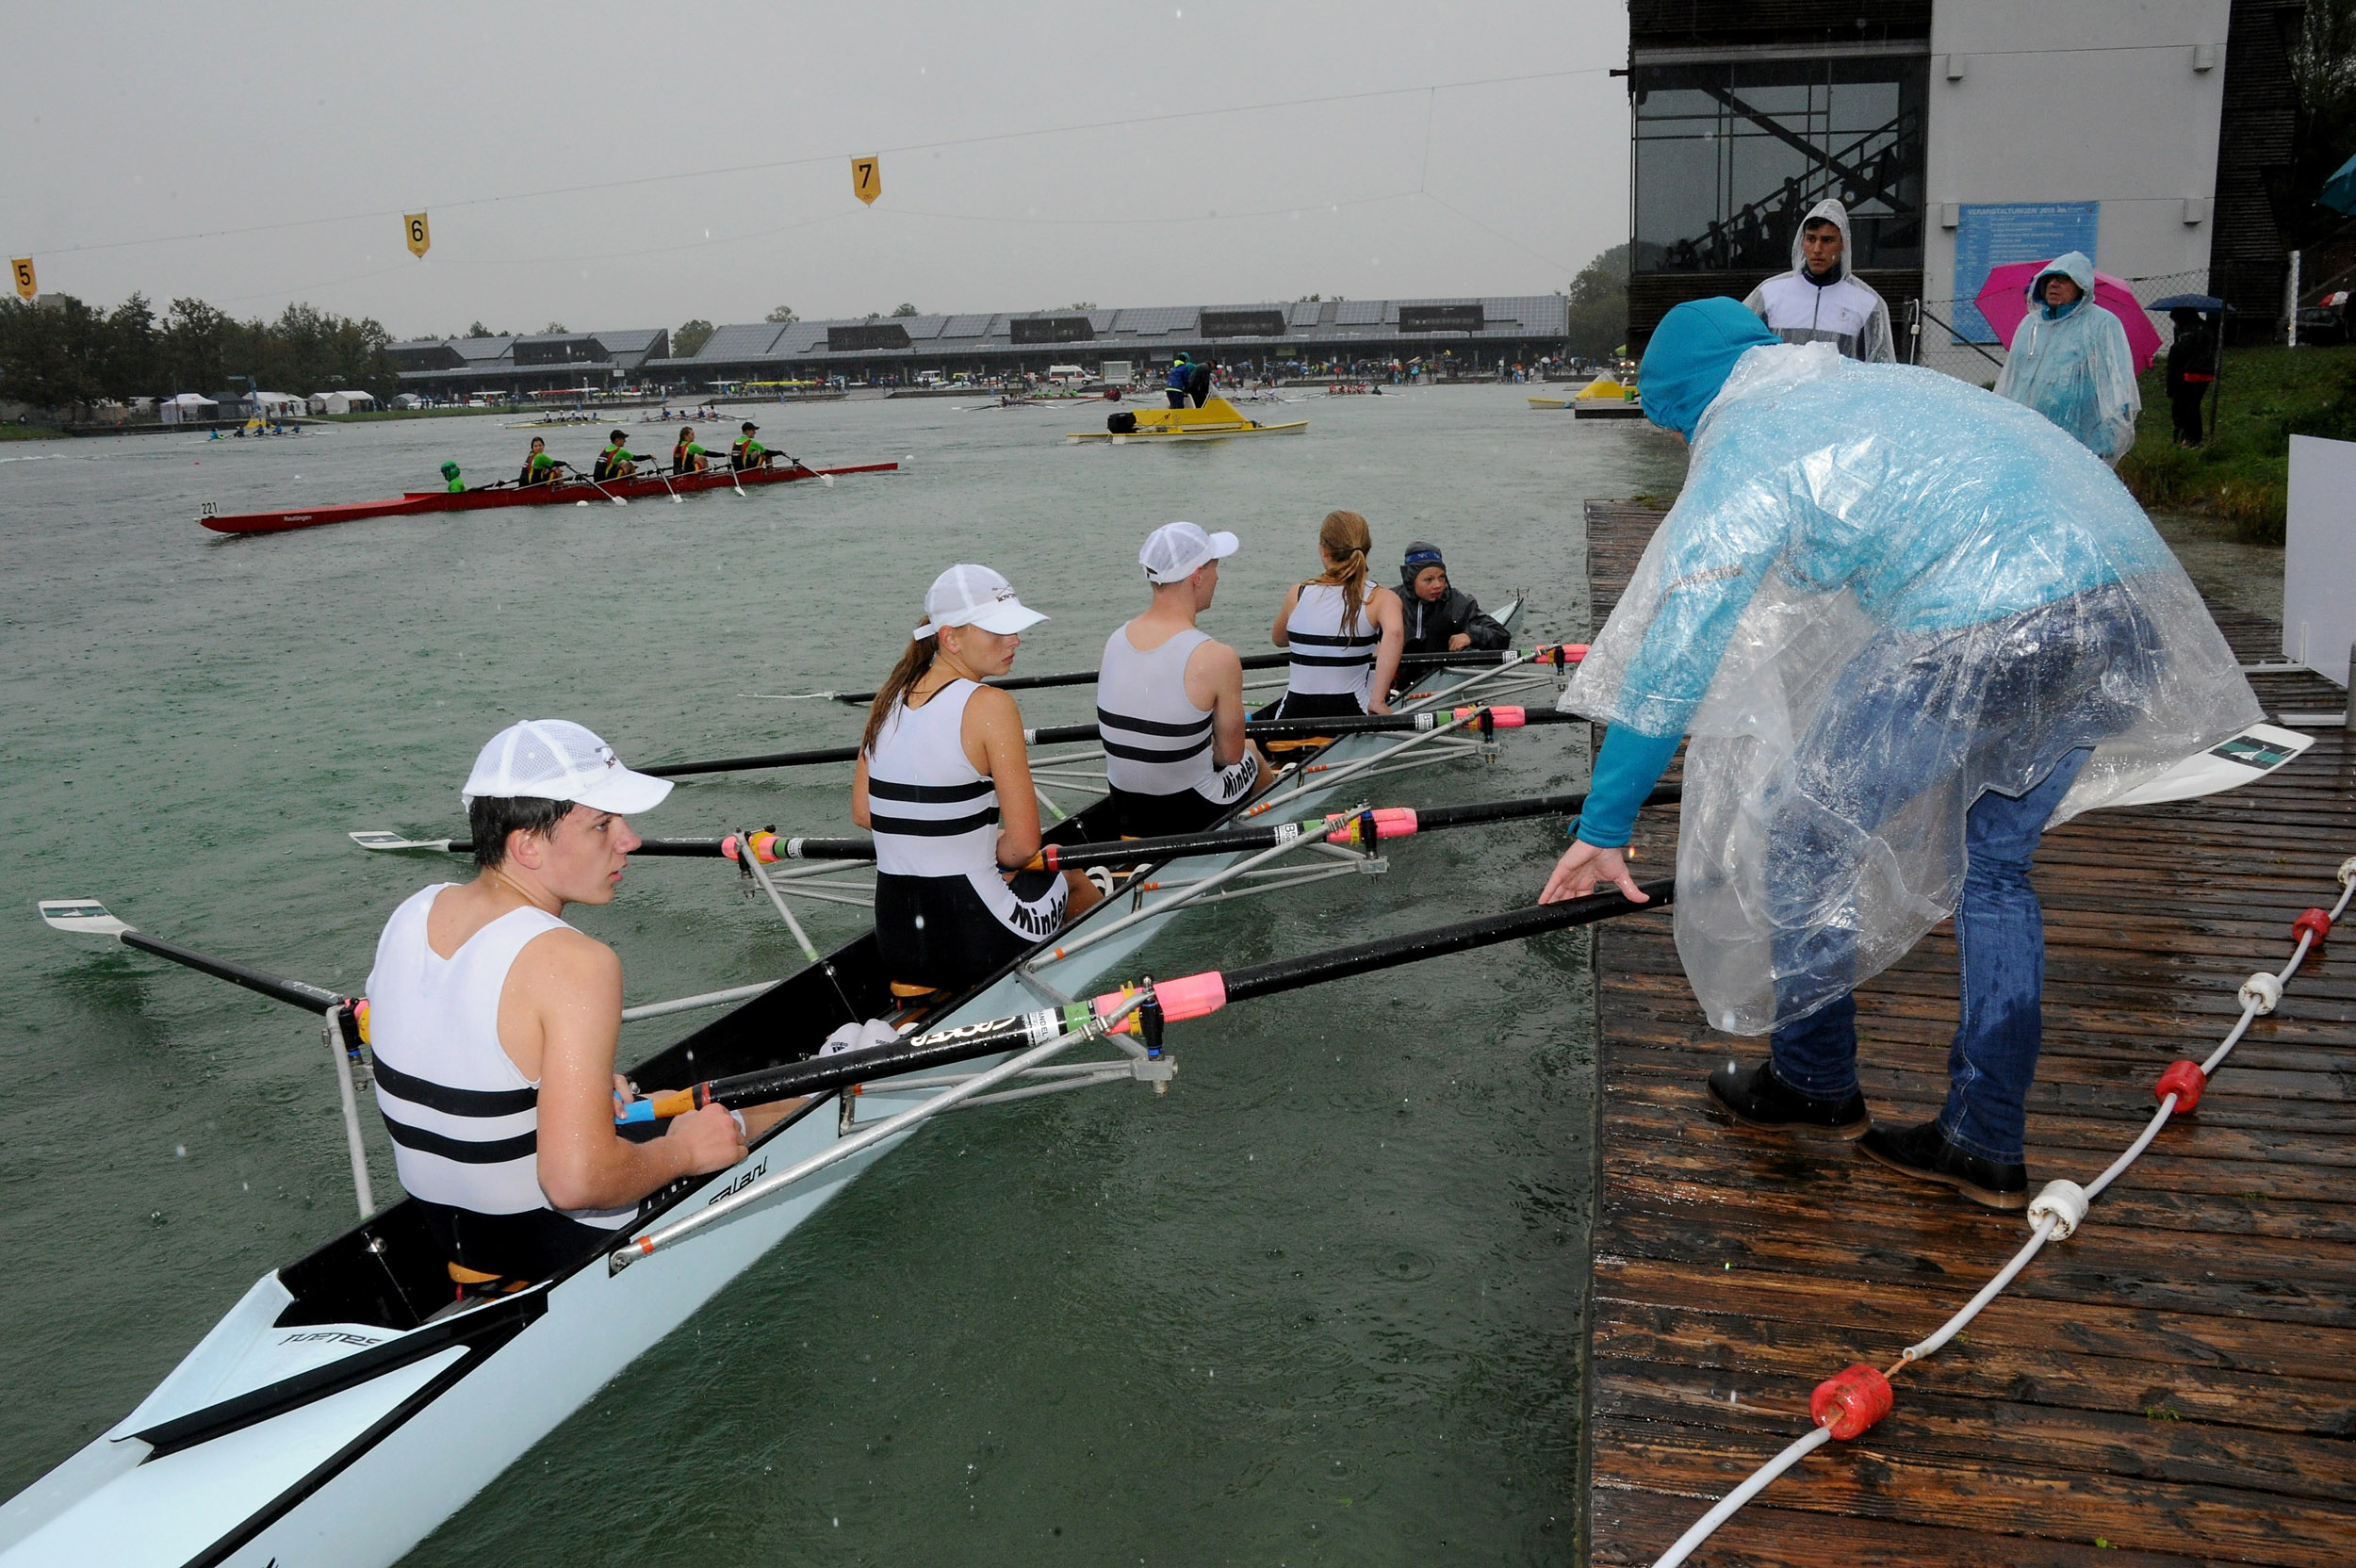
pixel 420 238
pixel 23 267
pixel 866 179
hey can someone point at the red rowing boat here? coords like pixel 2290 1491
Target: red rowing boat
pixel 575 492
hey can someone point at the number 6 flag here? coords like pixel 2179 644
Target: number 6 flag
pixel 420 238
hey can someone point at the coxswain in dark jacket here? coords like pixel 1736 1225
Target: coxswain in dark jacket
pixel 1447 613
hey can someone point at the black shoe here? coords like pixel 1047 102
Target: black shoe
pixel 1924 1152
pixel 1756 1097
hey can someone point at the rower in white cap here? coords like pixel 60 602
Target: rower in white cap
pixel 1169 699
pixel 493 1025
pixel 944 782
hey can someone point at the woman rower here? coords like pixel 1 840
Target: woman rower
pixel 943 782
pixel 539 467
pixel 686 456
pixel 1345 634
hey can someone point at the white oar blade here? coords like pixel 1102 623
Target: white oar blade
pixel 84 917
pixel 2247 757
pixel 378 839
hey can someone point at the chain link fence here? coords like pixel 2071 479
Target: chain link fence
pixel 1943 347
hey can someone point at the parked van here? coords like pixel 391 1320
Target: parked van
pixel 1067 375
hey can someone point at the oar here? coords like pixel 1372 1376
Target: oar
pixel 598 488
pixel 1337 828
pixel 383 840
pixel 1166 1001
pixel 87 917
pixel 1490 719
pixel 1550 653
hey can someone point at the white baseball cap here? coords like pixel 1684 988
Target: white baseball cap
pixel 975 596
pixel 558 759
pixel 1175 551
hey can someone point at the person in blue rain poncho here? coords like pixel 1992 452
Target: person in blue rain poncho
pixel 1907 626
pixel 2070 361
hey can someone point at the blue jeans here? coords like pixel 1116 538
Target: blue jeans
pixel 1999 932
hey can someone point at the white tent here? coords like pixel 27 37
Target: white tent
pixel 186 407
pixel 341 403
pixel 277 405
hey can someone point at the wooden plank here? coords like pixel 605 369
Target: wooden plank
pixel 2178 1381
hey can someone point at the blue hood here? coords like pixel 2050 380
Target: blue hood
pixel 2078 267
pixel 1691 354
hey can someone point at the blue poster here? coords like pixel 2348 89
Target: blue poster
pixel 1990 233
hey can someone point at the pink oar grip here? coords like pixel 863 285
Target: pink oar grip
pixel 1507 718
pixel 1189 996
pixel 1390 822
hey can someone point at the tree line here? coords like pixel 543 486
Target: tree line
pixel 62 351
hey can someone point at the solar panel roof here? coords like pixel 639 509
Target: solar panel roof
pixel 967 326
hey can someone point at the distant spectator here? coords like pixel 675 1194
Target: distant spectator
pixel 2191 372
pixel 1820 300
pixel 2070 361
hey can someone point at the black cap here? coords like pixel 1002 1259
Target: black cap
pixel 619 435
pixel 749 425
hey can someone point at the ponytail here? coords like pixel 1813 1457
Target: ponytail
pixel 911 667
pixel 1343 540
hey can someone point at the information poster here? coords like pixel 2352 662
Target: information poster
pixel 2319 556
pixel 1990 234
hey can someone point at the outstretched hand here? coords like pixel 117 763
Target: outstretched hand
pixel 1584 865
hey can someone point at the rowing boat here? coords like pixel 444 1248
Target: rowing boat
pixel 342 1409
pixel 571 493
pixel 1217 420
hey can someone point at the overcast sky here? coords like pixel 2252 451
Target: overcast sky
pixel 312 128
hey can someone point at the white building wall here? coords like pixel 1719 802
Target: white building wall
pixel 2109 101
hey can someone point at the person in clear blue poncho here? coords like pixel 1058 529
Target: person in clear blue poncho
pixel 1907 626
pixel 2070 361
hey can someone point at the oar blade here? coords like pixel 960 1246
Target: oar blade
pixel 381 840
pixel 83 916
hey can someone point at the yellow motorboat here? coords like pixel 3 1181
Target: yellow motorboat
pixel 1549 403
pixel 1216 420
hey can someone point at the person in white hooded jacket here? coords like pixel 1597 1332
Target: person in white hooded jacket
pixel 1820 300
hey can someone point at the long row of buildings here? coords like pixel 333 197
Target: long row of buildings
pixel 1471 335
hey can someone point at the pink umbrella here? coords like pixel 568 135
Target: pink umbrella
pixel 2005 301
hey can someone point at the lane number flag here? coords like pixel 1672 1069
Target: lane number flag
pixel 866 179
pixel 420 238
pixel 22 268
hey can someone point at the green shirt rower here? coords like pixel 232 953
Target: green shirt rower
pixel 450 472
pixel 687 457
pixel 749 452
pixel 617 461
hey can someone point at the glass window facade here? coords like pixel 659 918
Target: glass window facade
pixel 1730 155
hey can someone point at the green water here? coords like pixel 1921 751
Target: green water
pixel 1318 1304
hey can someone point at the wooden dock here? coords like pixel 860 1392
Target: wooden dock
pixel 2175 1385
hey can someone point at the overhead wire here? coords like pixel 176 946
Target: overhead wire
pixel 767 166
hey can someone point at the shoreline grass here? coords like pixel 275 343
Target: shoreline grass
pixel 2241 478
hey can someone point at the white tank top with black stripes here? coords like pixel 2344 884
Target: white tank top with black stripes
pixel 1156 740
pixel 931 812
pixel 463 1120
pixel 1326 660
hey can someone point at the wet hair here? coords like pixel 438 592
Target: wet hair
pixel 919 658
pixel 1343 540
pixel 1815 223
pixel 491 818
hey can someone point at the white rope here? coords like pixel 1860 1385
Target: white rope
pixel 2058 1211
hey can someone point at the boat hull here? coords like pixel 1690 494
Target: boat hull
pixel 419 503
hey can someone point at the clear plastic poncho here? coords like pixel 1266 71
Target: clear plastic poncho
pixel 1881 593
pixel 2076 368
